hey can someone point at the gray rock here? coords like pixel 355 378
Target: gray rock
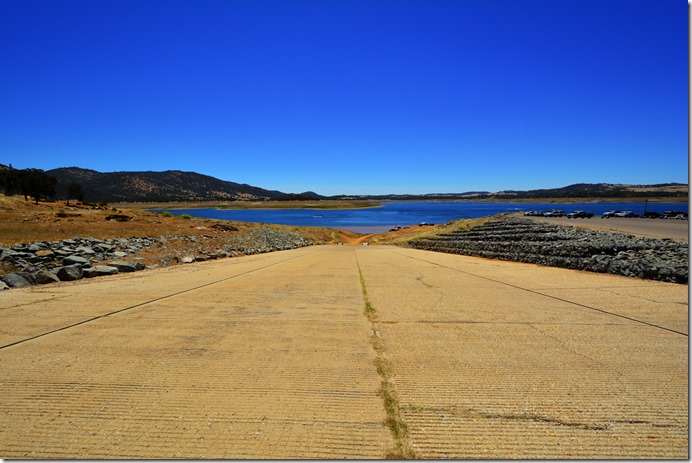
pixel 187 259
pixel 46 277
pixel 70 272
pixel 100 270
pixel 85 250
pixel 71 260
pixel 3 286
pixel 122 266
pixel 15 280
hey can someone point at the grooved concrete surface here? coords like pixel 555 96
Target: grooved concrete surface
pixel 272 356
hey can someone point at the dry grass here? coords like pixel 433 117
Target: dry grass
pixel 25 222
pixel 403 236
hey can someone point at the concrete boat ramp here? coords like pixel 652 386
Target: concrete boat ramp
pixel 346 352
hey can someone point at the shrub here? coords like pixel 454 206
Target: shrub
pixel 166 214
pixel 186 216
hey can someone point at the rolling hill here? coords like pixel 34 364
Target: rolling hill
pixel 575 191
pixel 175 185
pixel 170 185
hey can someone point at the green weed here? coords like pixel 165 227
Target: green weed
pixel 387 392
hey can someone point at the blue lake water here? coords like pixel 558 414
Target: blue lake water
pixel 405 214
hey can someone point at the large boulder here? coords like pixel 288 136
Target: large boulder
pixel 123 266
pixel 15 280
pixel 46 277
pixel 70 272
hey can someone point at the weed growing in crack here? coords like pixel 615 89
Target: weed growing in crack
pixel 387 392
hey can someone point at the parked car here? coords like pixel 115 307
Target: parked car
pixel 626 214
pixel 580 215
pixel 554 213
pixel 674 215
pixel 652 215
pixel 609 214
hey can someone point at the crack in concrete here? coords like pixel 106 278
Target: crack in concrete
pixel 393 420
pixel 440 294
pixel 528 417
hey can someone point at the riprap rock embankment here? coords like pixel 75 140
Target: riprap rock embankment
pixel 73 259
pixel 522 240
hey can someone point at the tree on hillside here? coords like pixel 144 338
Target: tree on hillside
pixel 74 190
pixel 9 181
pixel 36 183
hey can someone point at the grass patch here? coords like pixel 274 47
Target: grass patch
pixel 393 421
pixel 369 311
pixel 403 236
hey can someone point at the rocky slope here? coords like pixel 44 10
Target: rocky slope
pixel 523 240
pixel 73 259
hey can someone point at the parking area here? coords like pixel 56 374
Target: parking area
pixel 650 228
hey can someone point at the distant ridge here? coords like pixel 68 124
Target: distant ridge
pixel 170 185
pixel 577 190
pixel 175 185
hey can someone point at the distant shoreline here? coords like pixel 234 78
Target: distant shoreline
pixel 363 204
pixel 325 204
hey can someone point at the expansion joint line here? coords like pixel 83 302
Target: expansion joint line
pixel 394 422
pixel 114 312
pixel 595 309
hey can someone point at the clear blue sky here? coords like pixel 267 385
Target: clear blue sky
pixel 350 96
